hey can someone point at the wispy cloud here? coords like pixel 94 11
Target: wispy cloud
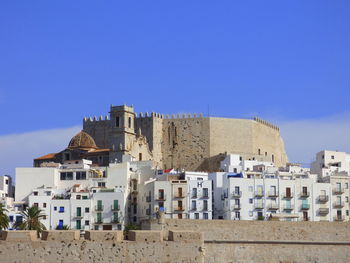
pixel 19 150
pixel 304 138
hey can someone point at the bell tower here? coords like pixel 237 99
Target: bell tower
pixel 122 131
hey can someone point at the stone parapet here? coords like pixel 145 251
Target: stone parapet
pixel 103 236
pixel 145 236
pixel 61 235
pixel 19 235
pixel 185 236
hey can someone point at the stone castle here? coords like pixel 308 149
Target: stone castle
pixel 190 142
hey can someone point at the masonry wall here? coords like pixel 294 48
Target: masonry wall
pixel 99 130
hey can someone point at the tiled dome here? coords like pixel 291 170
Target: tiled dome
pixel 82 140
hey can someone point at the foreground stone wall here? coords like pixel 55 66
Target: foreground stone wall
pixel 257 230
pixel 183 245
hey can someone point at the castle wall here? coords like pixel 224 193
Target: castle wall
pixel 99 130
pixel 185 143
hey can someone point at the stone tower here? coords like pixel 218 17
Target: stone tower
pixel 121 131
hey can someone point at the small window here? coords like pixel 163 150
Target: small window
pixel 265 153
pixel 35 193
pixel 129 122
pixel 55 208
pixel 11 219
pixel 87 222
pixel 80 175
pixel 140 156
pixel 36 204
pixel 7 181
pixel 205 216
pixel 44 205
pixel 196 215
pixel 259 151
pixel 250 200
pixel 87 210
pixel 85 197
pixel 332 157
pixel 44 217
pixel 117 122
pixel 78 197
pixel 61 209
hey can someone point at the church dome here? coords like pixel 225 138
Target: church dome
pixel 82 140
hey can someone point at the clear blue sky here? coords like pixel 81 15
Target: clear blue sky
pixel 63 60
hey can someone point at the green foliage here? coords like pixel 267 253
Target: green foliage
pixel 4 220
pixel 129 227
pixel 31 220
pixel 261 218
pixel 64 227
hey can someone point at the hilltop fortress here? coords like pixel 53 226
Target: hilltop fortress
pixel 190 142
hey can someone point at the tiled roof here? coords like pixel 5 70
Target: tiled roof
pixel 47 156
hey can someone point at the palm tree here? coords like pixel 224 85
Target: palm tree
pixel 31 220
pixel 4 220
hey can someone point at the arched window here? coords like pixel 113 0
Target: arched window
pixel 259 151
pixel 117 122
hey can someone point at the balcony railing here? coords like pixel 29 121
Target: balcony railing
pixel 306 218
pixel 115 220
pixel 258 205
pixel 338 191
pixel 179 195
pixel 160 198
pixel 323 211
pixel 193 208
pixel 323 198
pixel 338 204
pixel 77 215
pixel 194 195
pixel 287 195
pixel 272 193
pixel 305 194
pixel 305 206
pixel 339 218
pixel 115 207
pixel 236 207
pixel 273 206
pixel 205 196
pixel 180 208
pixel 236 194
pixel 205 208
pixel 99 208
pixel 98 221
pixel 288 207
pixel 259 193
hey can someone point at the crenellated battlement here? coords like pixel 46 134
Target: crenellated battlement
pixel 168 116
pixel 266 123
pixel 95 119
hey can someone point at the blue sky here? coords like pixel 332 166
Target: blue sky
pixel 286 61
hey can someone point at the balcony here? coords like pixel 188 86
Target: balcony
pixel 115 207
pixel 193 208
pixel 205 196
pixel 273 194
pixel 180 208
pixel 98 221
pixel 259 193
pixel 323 198
pixel 160 198
pixel 204 209
pixel 338 190
pixel 179 195
pixel 306 218
pixel 236 207
pixel 258 205
pixel 288 207
pixel 287 195
pixel 194 195
pixel 304 194
pixel 115 220
pixel 339 218
pixel 236 194
pixel 305 207
pixel 323 211
pixel 338 204
pixel 273 206
pixel 99 208
pixel 78 216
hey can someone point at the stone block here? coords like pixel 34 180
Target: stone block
pixel 185 236
pixel 145 236
pixel 19 235
pixel 102 236
pixel 60 235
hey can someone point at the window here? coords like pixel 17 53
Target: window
pixel 78 197
pixel 273 158
pixel 78 225
pixel 140 156
pixel 80 175
pixel 87 210
pixel 35 193
pixel 332 157
pixel 194 205
pixel 87 222
pixel 205 216
pixel 55 208
pixel 36 204
pixel 66 156
pixel 101 184
pixel 235 170
pixel 205 192
pixel 347 199
pixel 161 205
pixel 196 216
pixel 66 176
pixel 7 181
pixel 265 153
pixel 60 224
pixel 117 122
pixel 237 215
pixel 19 219
pixel 250 200
pixel 129 122
pixel 346 185
pixel 250 188
pixel 44 205
pixel 61 209
pixel 205 205
pixel 11 219
pixel 259 151
pixel 44 217
pixel 347 212
pixel 194 192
